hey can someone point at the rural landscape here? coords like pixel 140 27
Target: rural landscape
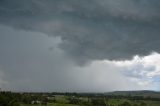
pixel 117 98
pixel 79 52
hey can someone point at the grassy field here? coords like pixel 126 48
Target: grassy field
pixel 73 99
pixel 61 99
pixel 50 104
pixel 149 103
pixel 111 102
pixel 115 102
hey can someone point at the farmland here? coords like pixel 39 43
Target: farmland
pixel 140 98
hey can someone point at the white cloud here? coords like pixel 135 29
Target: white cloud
pixel 142 70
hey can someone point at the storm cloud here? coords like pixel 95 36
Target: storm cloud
pixel 27 63
pixel 90 29
pixel 79 45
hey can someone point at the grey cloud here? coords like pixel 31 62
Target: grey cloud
pixel 26 64
pixel 90 29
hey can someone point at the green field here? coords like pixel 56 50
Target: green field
pixel 62 101
pixel 66 99
pixel 50 104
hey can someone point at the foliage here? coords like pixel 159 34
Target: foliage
pixel 73 99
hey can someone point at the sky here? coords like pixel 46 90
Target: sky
pixel 79 45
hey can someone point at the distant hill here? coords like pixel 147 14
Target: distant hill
pixel 144 93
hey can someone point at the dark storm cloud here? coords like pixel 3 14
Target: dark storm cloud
pixel 90 29
pixel 31 61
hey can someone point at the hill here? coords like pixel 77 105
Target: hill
pixel 144 93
